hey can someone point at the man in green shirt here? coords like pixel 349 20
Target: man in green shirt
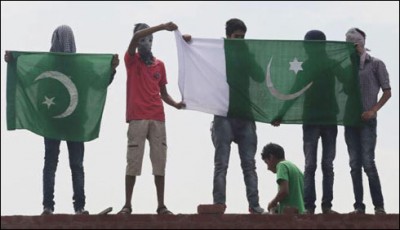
pixel 289 178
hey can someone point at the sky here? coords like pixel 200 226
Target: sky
pixel 106 27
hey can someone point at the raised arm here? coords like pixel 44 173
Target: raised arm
pixel 170 26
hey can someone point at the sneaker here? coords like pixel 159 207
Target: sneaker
pixel 379 211
pixel 329 211
pixel 358 211
pixel 81 212
pixel 47 211
pixel 256 210
pixel 308 212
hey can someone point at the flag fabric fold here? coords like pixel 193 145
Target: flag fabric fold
pixel 57 95
pixel 295 82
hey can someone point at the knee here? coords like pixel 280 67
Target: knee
pixel 221 166
pixel 310 168
pixel 76 166
pixel 248 165
pixel 355 164
pixel 51 161
pixel 327 167
pixel 370 168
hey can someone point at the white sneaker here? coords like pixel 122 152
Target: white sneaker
pixel 47 211
pixel 81 212
pixel 256 210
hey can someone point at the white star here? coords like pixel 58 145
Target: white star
pixel 295 65
pixel 48 101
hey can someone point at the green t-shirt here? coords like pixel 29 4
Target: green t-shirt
pixel 286 170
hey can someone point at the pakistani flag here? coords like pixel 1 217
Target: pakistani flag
pixel 57 95
pixel 296 82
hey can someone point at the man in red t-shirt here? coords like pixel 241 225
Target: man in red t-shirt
pixel 146 87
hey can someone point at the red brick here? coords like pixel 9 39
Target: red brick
pixel 211 209
pixel 202 221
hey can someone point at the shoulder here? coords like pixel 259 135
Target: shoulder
pixel 378 65
pixel 375 60
pixel 158 61
pixel 130 57
pixel 283 165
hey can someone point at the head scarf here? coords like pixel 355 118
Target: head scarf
pixel 354 36
pixel 144 52
pixel 63 40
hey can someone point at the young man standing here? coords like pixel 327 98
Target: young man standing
pixel 361 141
pixel 242 131
pixel 226 130
pixel 146 89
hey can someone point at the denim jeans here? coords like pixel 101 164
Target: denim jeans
pixel 361 142
pixel 311 134
pixel 76 152
pixel 225 131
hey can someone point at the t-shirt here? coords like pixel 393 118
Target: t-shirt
pixel 286 170
pixel 143 99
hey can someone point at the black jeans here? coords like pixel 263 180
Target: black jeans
pixel 76 152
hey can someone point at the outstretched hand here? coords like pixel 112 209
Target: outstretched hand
pixel 170 26
pixel 187 38
pixel 276 122
pixel 180 105
pixel 7 56
pixel 115 61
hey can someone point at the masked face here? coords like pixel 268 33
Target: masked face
pixel 145 44
pixel 144 48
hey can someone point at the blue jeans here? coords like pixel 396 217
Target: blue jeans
pixel 361 142
pixel 76 152
pixel 243 133
pixel 311 134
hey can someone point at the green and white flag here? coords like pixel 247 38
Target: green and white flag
pixel 57 95
pixel 297 82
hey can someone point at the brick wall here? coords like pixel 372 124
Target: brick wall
pixel 204 221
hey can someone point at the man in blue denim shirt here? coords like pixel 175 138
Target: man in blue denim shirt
pixel 243 133
pixel 361 141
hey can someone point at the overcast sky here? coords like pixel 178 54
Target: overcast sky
pixel 106 27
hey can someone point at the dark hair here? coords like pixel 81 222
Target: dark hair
pixel 140 26
pixel 315 35
pixel 234 24
pixel 361 32
pixel 272 149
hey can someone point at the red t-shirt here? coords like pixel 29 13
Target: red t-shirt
pixel 143 99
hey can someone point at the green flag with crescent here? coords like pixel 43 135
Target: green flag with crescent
pixel 57 95
pixel 307 82
pixel 295 82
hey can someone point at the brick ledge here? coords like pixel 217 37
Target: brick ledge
pixel 203 221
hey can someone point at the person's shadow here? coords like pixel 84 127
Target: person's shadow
pixel 326 79
pixel 241 70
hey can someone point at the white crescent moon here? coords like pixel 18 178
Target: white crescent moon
pixel 73 92
pixel 278 94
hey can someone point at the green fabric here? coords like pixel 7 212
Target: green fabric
pixel 333 97
pixel 286 170
pixel 57 95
